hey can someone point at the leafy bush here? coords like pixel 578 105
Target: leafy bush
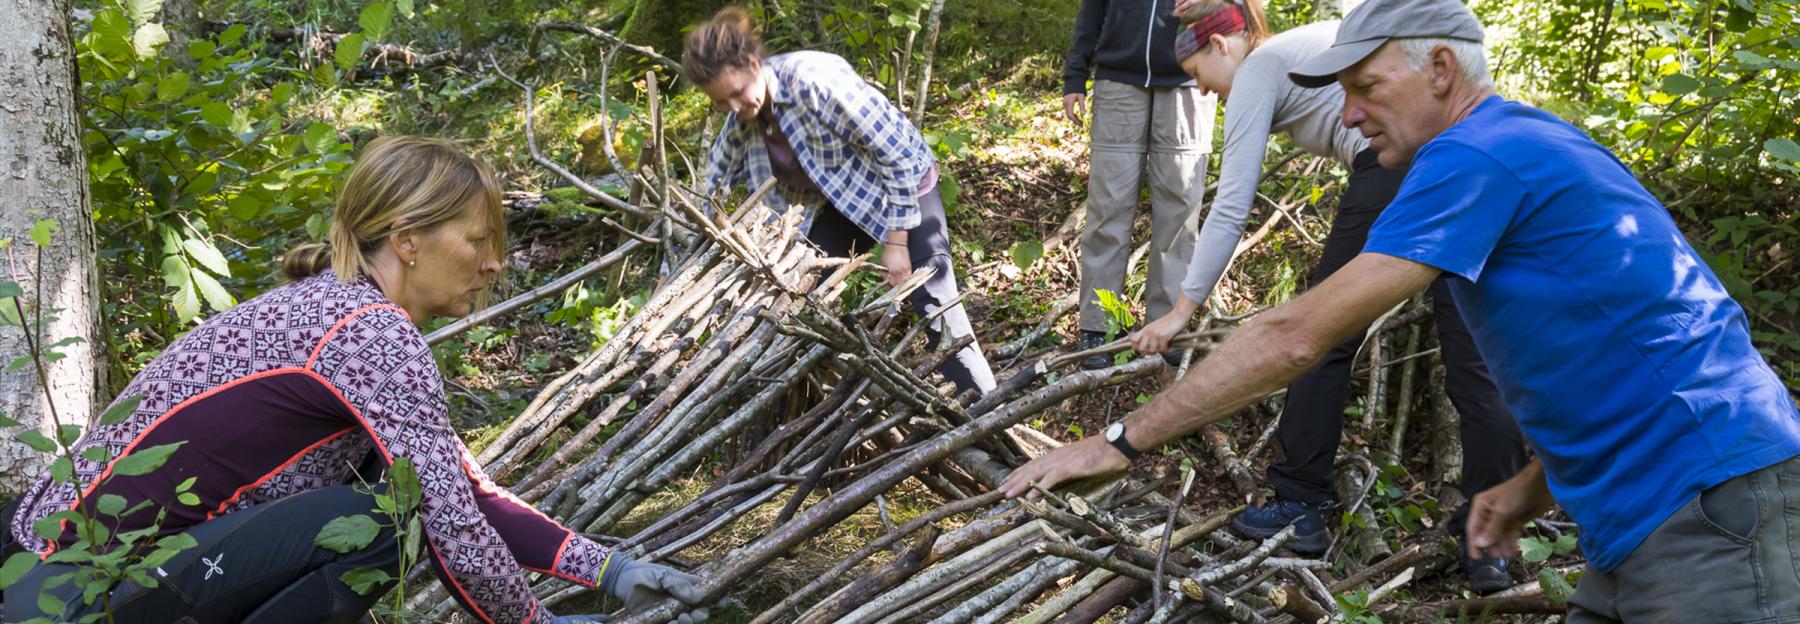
pixel 200 177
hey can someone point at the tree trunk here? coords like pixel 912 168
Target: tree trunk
pixel 182 19
pixel 924 96
pixel 660 24
pixel 44 177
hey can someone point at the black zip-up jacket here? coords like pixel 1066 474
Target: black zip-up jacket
pixel 1129 41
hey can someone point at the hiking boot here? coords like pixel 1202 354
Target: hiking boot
pixel 1172 357
pixel 1487 574
pixel 1264 522
pixel 1093 340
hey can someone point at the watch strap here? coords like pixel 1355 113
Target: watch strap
pixel 1124 447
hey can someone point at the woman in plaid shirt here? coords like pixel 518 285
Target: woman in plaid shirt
pixel 830 140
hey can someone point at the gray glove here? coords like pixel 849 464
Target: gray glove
pixel 580 619
pixel 643 585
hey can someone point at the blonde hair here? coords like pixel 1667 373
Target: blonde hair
pixel 1256 28
pixel 400 183
pixel 726 41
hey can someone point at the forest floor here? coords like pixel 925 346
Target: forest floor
pixel 1023 187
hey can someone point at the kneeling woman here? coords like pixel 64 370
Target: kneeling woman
pixel 832 141
pixel 279 400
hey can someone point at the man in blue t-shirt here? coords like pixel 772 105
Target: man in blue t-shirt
pixel 1657 425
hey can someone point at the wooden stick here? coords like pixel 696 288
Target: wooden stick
pixel 795 598
pixel 1293 601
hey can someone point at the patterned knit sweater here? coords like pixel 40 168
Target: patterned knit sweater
pixel 289 392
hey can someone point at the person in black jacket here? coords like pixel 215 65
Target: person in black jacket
pixel 1149 121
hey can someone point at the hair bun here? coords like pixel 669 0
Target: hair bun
pixel 306 260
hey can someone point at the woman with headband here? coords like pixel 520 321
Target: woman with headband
pixel 1229 51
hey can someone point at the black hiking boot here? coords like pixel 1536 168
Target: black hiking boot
pixel 1093 340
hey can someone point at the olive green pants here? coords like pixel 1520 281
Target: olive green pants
pixel 1732 554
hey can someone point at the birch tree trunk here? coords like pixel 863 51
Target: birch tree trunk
pixel 43 176
pixel 923 97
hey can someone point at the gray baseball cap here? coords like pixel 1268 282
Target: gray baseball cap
pixel 1374 22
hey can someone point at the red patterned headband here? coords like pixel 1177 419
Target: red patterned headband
pixel 1226 21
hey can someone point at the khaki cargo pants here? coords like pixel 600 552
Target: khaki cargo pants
pixel 1164 134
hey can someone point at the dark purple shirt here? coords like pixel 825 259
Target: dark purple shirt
pixel 785 163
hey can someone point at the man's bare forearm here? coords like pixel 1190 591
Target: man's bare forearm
pixel 1277 346
pixel 1245 368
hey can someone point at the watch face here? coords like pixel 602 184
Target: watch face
pixel 1114 431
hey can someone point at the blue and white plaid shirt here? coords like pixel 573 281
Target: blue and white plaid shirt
pixel 862 152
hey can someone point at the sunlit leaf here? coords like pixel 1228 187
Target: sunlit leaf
pixel 1024 253
pixel 120 409
pixel 37 441
pixel 375 18
pixel 216 296
pixel 17 566
pixel 148 40
pixel 110 504
pixel 363 581
pixel 216 113
pixel 173 86
pixel 349 50
pixel 186 302
pixel 42 229
pixel 346 534
pixel 207 255
pixel 142 11
pixel 145 461
pixel 1785 149
pixel 319 138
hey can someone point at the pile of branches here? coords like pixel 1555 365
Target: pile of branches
pixel 748 360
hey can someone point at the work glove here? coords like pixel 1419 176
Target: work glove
pixel 643 585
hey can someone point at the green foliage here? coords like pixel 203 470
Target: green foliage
pixel 1556 586
pixel 145 461
pixel 1119 318
pixel 200 177
pixel 1538 549
pixel 347 534
pixel 100 558
pixel 1696 96
pixel 1025 253
pixel 398 503
pixel 594 312
pixel 1356 608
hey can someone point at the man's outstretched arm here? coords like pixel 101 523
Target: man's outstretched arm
pixel 1259 358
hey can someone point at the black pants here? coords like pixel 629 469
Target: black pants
pixel 1312 422
pixel 256 566
pixel 929 246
